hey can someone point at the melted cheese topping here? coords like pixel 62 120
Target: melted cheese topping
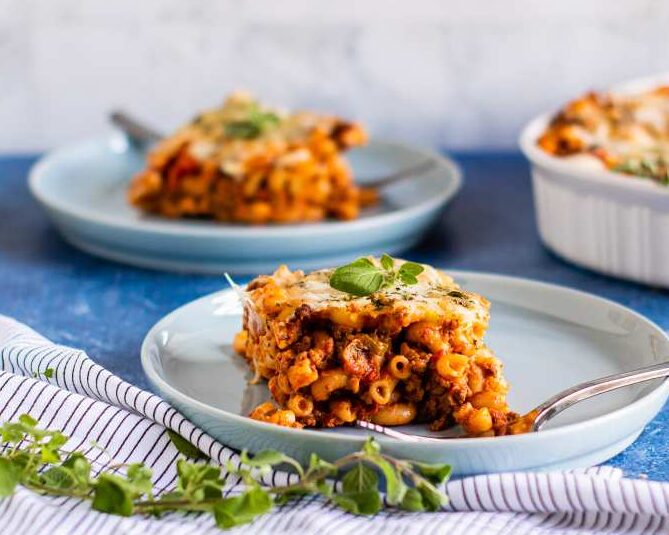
pixel 209 140
pixel 618 126
pixel 436 297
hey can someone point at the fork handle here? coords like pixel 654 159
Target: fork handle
pixel 405 437
pixel 408 172
pixel 565 399
pixel 137 133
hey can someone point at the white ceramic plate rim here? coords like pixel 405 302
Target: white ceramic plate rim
pixel 341 436
pixel 536 126
pixel 451 185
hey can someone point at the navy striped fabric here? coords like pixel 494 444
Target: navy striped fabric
pixel 90 405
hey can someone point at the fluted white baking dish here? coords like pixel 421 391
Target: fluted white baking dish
pixel 597 219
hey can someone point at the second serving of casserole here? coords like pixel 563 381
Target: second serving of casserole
pixel 600 175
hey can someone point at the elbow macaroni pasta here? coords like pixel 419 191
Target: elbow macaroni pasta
pixel 330 361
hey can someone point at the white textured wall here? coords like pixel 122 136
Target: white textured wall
pixel 462 74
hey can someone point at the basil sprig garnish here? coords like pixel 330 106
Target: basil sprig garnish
pixel 257 123
pixel 363 277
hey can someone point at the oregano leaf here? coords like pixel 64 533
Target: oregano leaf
pixel 242 509
pixel 412 501
pixel 59 477
pixel 363 277
pixel 360 478
pixel 432 499
pixel 27 420
pixel 435 473
pixel 359 503
pixel 357 279
pixel 411 268
pixel 184 447
pixel 263 458
pixel 9 477
pixel 387 262
pixel 112 495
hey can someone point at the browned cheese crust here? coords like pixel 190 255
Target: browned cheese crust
pixel 624 133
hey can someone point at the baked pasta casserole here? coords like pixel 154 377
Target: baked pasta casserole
pixel 247 163
pixel 405 353
pixel 623 133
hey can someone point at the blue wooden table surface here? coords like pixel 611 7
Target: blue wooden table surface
pixel 105 308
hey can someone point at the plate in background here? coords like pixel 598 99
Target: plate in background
pixel 548 337
pixel 83 186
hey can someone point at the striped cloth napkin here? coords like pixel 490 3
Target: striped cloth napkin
pixel 88 403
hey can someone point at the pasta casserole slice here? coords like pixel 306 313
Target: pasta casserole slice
pixel 624 133
pixel 408 347
pixel 245 162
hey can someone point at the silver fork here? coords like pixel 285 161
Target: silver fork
pixel 142 135
pixel 554 405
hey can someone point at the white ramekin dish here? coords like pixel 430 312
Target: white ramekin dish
pixel 597 219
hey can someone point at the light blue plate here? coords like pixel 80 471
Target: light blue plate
pixel 549 338
pixel 83 188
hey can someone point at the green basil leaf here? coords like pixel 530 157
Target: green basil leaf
pixel 360 478
pixel 412 501
pixel 363 261
pixel 408 279
pixel 112 495
pixel 357 279
pixel 258 122
pixel 411 268
pixel 435 473
pixel 242 509
pixel 363 277
pixel 9 477
pixel 359 503
pixel 242 130
pixel 48 373
pixel 184 447
pixel 263 119
pixel 387 262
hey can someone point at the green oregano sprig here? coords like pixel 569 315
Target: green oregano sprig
pixel 257 122
pixel 34 458
pixel 363 277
